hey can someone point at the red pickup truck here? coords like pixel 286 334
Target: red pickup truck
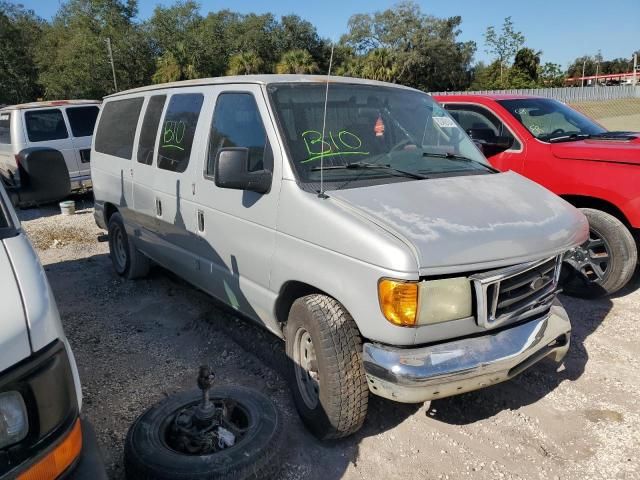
pixel 594 169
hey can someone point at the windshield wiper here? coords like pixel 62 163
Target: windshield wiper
pixel 357 165
pixel 461 158
pixel 615 134
pixel 569 138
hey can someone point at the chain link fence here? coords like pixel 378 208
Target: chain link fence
pixel 567 94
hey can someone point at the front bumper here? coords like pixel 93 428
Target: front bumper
pixel 420 374
pixel 90 464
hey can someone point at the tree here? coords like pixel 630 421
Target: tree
pixel 171 68
pixel 297 61
pixel 425 49
pixel 551 75
pixel 503 45
pixel 245 63
pixel 72 55
pixel 527 61
pixel 19 30
pixel 175 35
pixel 380 64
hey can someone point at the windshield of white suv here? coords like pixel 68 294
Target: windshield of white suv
pixel 372 134
pixel 551 121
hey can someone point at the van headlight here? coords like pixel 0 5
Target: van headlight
pixel 14 422
pixel 412 304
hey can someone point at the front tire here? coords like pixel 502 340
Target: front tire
pixel 605 262
pixel 327 376
pixel 127 260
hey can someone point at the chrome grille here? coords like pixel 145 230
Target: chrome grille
pixel 518 291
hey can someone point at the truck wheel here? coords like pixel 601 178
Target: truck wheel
pixel 127 261
pixel 605 262
pixel 154 451
pixel 326 372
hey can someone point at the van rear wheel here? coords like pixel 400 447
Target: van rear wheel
pixel 327 376
pixel 127 260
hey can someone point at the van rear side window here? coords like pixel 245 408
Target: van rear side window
pixel 45 125
pixel 82 120
pixel 178 129
pixel 149 130
pixel 117 128
pixel 5 128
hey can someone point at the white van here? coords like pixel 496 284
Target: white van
pixel 63 126
pixel 42 432
pixel 354 218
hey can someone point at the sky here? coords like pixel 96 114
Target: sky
pixel 562 30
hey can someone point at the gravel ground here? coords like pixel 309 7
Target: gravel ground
pixel 136 342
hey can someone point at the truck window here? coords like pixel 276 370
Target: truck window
pixel 178 129
pixel 82 120
pixel 117 128
pixel 45 125
pixel 5 127
pixel 149 130
pixel 237 123
pixel 484 124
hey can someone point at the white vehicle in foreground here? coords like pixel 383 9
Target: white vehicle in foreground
pixel 42 433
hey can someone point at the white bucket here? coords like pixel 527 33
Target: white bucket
pixel 68 207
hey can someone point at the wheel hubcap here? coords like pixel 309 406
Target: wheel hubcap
pixel 306 367
pixel 119 250
pixel 591 259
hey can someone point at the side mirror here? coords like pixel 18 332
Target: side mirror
pixel 231 170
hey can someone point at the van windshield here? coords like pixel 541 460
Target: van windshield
pixel 372 134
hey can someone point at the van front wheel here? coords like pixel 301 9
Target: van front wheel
pixel 127 261
pixel 327 377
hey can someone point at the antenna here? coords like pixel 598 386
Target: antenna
pixel 324 124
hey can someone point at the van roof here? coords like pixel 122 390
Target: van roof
pixel 50 103
pixel 259 79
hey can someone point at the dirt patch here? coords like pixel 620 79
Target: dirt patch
pixel 137 341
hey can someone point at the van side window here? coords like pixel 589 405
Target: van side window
pixel 149 130
pixel 178 129
pixel 237 123
pixel 5 128
pixel 45 125
pixel 117 128
pixel 82 120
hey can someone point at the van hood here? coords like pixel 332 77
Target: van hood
pixel 14 336
pixel 619 148
pixel 463 223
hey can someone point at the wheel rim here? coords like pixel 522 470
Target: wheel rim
pixel 306 368
pixel 177 429
pixel 592 259
pixel 119 250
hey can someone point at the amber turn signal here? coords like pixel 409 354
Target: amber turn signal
pixel 56 462
pixel 398 301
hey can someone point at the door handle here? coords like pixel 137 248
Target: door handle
pixel 200 221
pixel 158 207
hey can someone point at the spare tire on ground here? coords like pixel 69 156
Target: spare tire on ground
pixel 156 449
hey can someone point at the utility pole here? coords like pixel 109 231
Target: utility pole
pixel 584 64
pixel 635 69
pixel 597 70
pixel 113 69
